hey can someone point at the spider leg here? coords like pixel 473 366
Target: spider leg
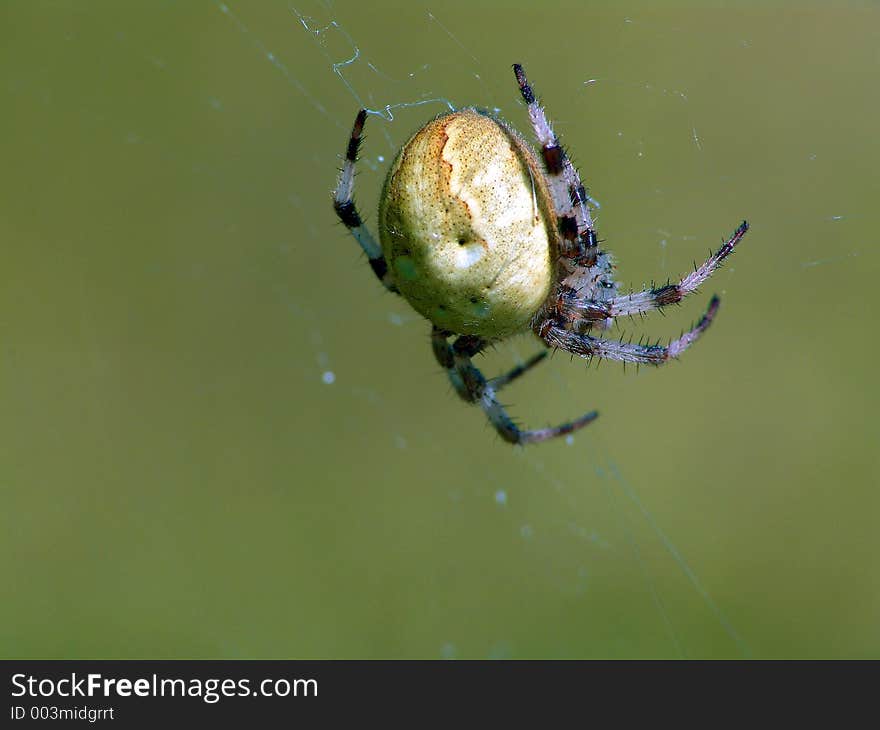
pixel 500 381
pixel 588 347
pixel 591 310
pixel 472 387
pixel 345 208
pixel 578 237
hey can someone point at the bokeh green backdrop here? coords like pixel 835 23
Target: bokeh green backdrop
pixel 220 438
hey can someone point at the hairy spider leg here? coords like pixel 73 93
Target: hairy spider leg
pixel 573 308
pixel 472 387
pixel 589 347
pixel 575 224
pixel 343 204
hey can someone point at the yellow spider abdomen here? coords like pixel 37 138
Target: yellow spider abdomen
pixel 465 222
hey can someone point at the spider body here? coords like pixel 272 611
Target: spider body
pixel 486 239
pixel 466 225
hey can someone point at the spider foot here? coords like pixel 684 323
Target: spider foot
pixel 512 434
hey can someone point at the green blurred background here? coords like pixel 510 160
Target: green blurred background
pixel 220 438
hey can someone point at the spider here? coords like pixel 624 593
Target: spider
pixel 486 242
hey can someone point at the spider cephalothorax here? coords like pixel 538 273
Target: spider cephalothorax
pixel 486 241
